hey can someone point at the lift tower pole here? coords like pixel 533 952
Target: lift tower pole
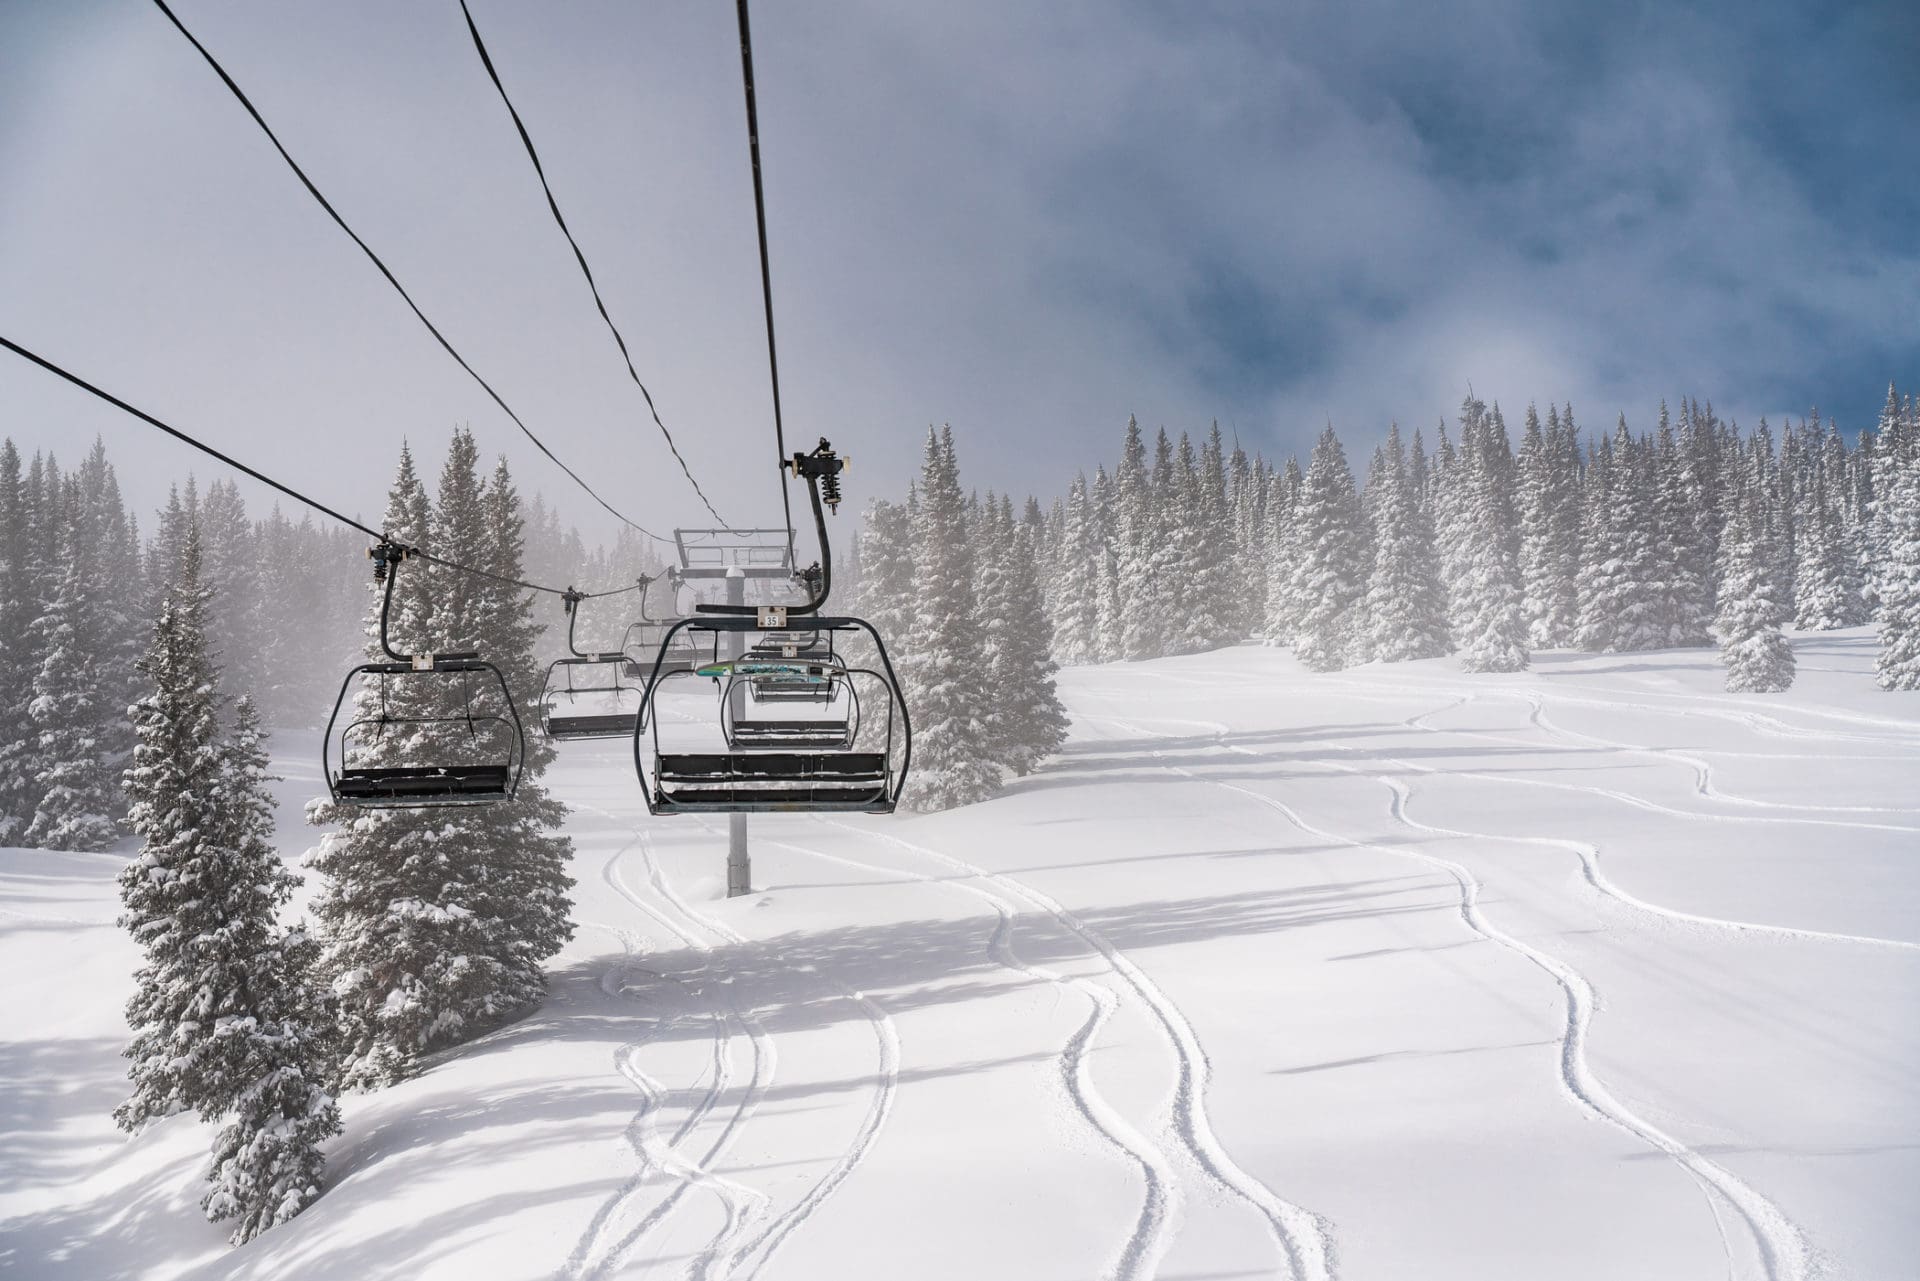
pixel 739 866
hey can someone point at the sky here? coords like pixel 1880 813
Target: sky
pixel 1026 220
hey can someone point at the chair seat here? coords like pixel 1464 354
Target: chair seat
pixel 865 799
pixel 607 726
pixel 841 768
pixel 421 784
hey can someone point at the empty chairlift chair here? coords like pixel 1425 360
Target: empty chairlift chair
pixel 430 729
pixel 822 759
pixel 646 634
pixel 584 695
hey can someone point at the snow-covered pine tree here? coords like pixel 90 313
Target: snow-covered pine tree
pixel 1549 499
pixel 1406 609
pixel 1210 617
pixel 1755 652
pixel 1283 554
pixel 398 933
pixel 522 841
pixel 1104 522
pixel 232 568
pixel 1332 558
pixel 1141 557
pixel 1246 481
pixel 941 664
pixel 1684 553
pixel 1020 666
pixel 885 595
pixel 1076 633
pixel 19 606
pixel 267 1159
pixel 1826 583
pixel 74 712
pixel 1622 602
pixel 1898 662
pixel 227 1021
pixel 1492 631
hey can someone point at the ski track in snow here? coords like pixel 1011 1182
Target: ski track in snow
pixel 1303 1238
pixel 776 1231
pixel 739 1203
pixel 1140 1254
pixel 1783 1251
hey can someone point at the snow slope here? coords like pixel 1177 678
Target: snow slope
pixel 1588 972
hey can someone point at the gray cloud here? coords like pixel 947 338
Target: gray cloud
pixel 1029 220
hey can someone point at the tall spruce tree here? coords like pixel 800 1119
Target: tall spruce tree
pixel 1405 607
pixel 1755 652
pixel 436 925
pixel 1020 669
pixel 1898 662
pixel 226 1019
pixel 1332 558
pixel 1490 621
pixel 74 712
pixel 942 665
pixel 19 782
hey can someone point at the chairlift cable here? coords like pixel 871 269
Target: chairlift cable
pixel 374 258
pixel 766 271
pixel 526 140
pixel 290 492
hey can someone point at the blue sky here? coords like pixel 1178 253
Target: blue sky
pixel 1026 220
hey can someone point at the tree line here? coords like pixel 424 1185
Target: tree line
pixel 80 587
pixel 1693 533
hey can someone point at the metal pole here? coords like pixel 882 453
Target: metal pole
pixel 739 868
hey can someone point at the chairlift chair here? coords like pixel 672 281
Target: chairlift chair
pixel 804 763
pixel 477 753
pixel 611 703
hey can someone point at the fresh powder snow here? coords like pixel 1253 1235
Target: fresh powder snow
pixel 1588 971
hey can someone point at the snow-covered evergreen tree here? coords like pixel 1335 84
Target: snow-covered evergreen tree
pixel 1104 523
pixel 436 923
pixel 19 606
pixel 1026 722
pixel 942 667
pixel 885 595
pixel 1283 554
pixel 1683 553
pixel 1491 624
pixel 1076 610
pixel 1405 606
pixel 1826 580
pixel 1143 561
pixel 226 1019
pixel 1332 559
pixel 1622 599
pixel 73 710
pixel 1755 652
pixel 1898 581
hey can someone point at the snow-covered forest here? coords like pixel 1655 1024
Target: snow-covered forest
pixel 80 587
pixel 1692 532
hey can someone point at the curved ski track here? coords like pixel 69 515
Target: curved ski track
pixel 739 1202
pixel 1783 1251
pixel 1303 1238
pixel 1140 1254
pixel 774 1234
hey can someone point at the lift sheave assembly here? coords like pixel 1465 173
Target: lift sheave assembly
pixel 451 716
